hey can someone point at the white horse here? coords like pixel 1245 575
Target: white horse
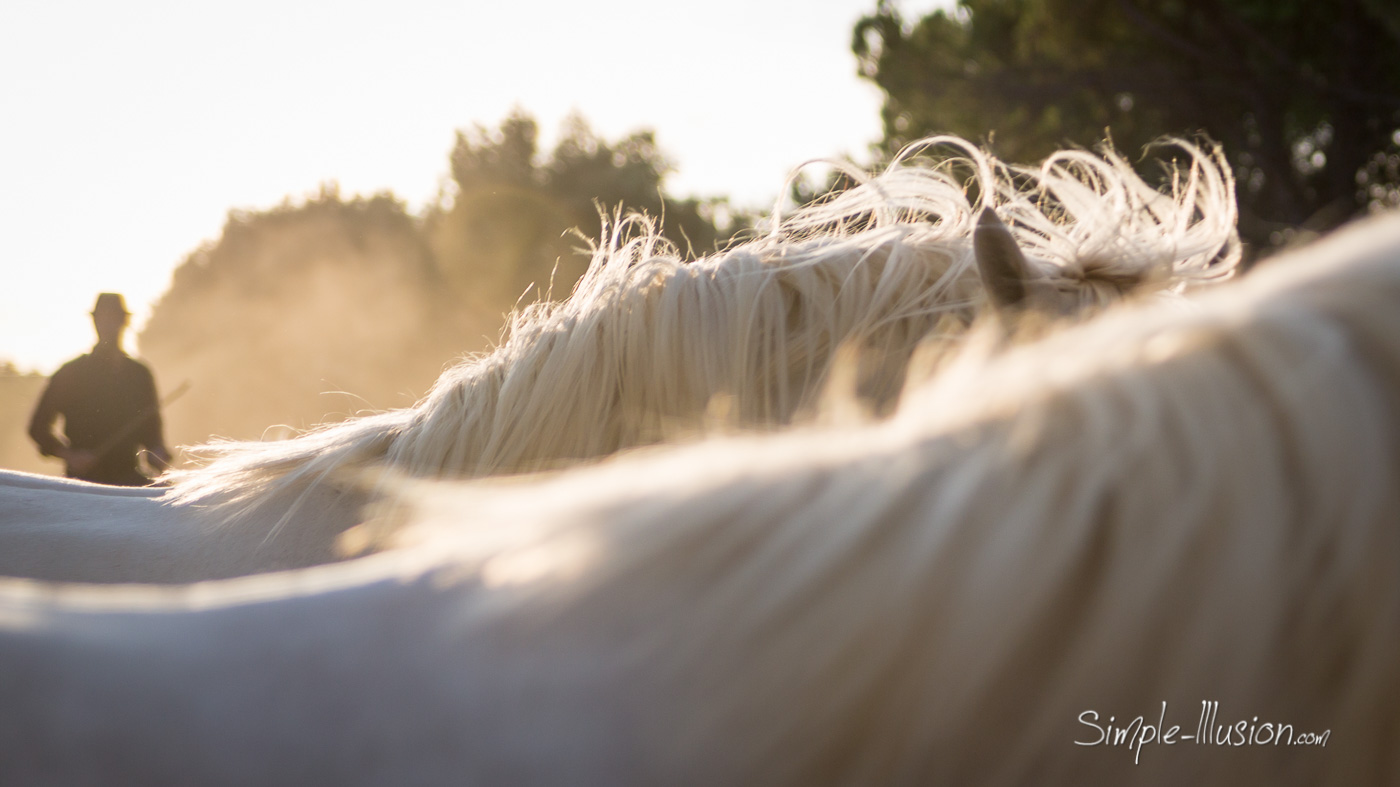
pixel 647 343
pixel 1089 535
pixel 62 530
pixel 649 347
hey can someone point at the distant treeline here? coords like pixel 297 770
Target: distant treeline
pixel 358 295
pixel 325 307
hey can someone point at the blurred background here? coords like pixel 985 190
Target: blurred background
pixel 312 208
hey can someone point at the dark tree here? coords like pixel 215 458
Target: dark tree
pixel 359 296
pixel 512 220
pixel 1304 96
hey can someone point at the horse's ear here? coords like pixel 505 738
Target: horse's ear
pixel 1005 273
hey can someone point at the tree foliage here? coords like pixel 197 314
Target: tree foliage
pixel 507 225
pixel 1304 96
pixel 326 295
pixel 358 295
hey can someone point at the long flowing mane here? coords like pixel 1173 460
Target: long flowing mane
pixel 1180 511
pixel 648 344
pixel 1163 505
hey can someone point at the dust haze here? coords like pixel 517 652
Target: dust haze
pixel 325 306
pixel 307 314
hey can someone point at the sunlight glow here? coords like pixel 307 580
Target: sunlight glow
pixel 559 560
pixel 131 129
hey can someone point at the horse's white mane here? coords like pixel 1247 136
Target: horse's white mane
pixel 1161 505
pixel 648 344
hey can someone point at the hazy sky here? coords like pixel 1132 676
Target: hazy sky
pixel 130 129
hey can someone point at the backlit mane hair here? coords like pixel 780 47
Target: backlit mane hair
pixel 1163 505
pixel 649 345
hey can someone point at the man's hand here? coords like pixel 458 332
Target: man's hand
pixel 78 461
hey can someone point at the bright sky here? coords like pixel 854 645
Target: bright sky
pixel 129 129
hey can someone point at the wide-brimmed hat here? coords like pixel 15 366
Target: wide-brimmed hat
pixel 109 302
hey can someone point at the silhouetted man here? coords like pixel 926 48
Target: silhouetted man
pixel 109 408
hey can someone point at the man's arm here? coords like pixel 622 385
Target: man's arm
pixel 42 421
pixel 41 429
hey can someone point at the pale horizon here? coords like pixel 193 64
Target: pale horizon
pixel 132 130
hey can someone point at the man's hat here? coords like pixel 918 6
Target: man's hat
pixel 109 302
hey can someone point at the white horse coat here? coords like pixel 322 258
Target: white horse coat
pixel 649 347
pixel 1161 506
pixel 62 530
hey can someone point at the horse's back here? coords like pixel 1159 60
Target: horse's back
pixel 13 479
